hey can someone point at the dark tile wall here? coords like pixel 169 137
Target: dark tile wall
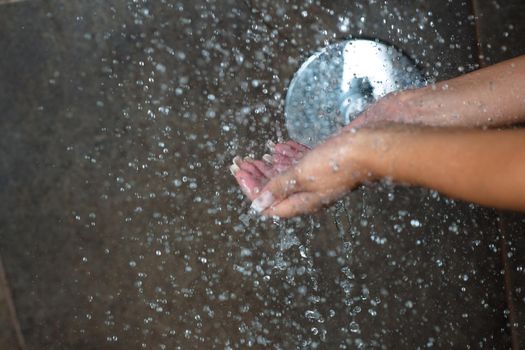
pixel 122 228
pixel 500 29
pixel 501 25
pixel 8 337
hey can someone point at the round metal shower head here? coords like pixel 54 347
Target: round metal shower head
pixel 337 83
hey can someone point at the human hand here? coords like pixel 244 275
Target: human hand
pixel 252 174
pixel 323 175
pixel 395 107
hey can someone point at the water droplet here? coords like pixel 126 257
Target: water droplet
pixel 415 223
pixel 354 327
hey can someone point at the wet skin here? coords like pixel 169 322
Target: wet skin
pixel 486 98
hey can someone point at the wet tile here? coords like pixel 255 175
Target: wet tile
pixel 500 28
pixel 123 228
pixel 512 226
pixel 500 25
pixel 439 38
pixel 8 338
pixel 420 275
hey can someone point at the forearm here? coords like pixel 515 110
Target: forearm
pixel 491 96
pixel 486 167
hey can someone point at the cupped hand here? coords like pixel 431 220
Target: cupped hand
pixel 286 158
pixel 252 175
pixel 323 175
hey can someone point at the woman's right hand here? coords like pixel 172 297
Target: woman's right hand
pixel 488 97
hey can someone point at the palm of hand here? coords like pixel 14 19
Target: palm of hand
pixel 252 175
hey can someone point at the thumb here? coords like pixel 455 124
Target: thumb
pixel 276 190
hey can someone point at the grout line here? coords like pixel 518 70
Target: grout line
pixel 477 12
pixel 11 307
pixel 507 278
pixel 508 282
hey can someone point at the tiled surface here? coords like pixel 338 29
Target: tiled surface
pixel 122 228
pixel 501 27
pixel 8 338
pixel 435 269
pixel 512 227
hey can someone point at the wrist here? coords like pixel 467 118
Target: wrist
pixel 416 105
pixel 368 147
pixel 379 150
pixel 397 107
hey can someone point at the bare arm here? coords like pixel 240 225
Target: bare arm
pixel 486 167
pixel 476 165
pixel 491 96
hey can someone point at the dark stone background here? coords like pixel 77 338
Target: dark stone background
pixel 121 227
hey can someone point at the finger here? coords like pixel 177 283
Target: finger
pixel 266 169
pixel 286 150
pixel 267 158
pixel 296 204
pixel 297 146
pixel 298 157
pixel 281 163
pixel 281 159
pixel 249 184
pixel 247 165
pixel 301 203
pixel 276 190
pixel 281 168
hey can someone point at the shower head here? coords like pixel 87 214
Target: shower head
pixel 337 83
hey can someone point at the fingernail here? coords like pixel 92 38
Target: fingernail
pixel 237 160
pixel 234 169
pixel 271 145
pixel 261 203
pixel 268 158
